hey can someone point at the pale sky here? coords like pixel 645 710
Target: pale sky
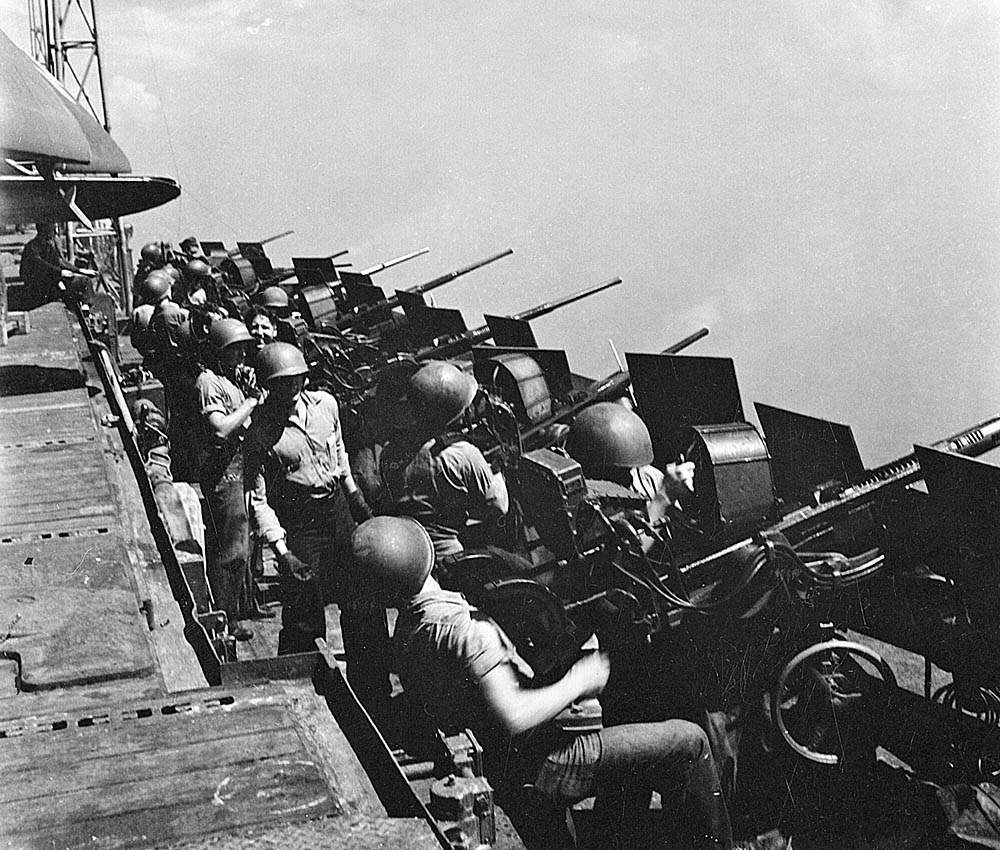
pixel 817 182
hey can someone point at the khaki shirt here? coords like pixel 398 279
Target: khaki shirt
pixel 292 461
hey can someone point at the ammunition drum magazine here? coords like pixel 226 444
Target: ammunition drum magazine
pixel 734 492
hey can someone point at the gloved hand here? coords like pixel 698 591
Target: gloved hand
pixel 358 506
pixel 291 563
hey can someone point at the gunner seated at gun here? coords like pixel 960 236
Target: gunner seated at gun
pixel 611 443
pixel 458 667
pixel 431 473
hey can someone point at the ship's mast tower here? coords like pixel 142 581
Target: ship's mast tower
pixel 64 39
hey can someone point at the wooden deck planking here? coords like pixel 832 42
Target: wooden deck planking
pixel 104 773
pixel 133 737
pixel 196 803
pixel 228 761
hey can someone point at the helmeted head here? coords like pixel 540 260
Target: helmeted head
pixel 230 340
pixel 153 288
pixel 226 332
pixel 440 393
pixel 608 436
pixel 196 270
pixel 152 253
pixel 273 298
pixel 175 273
pixel 395 552
pixel 281 368
pixel 45 229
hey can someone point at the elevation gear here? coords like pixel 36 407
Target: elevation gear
pixel 279 360
pixel 609 435
pixel 154 287
pixel 225 332
pixel 440 392
pixel 396 551
pixel 273 298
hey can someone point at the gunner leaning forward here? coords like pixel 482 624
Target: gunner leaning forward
pixel 302 497
pixel 459 667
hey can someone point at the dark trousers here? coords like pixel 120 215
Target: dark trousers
pixel 320 536
pixel 227 537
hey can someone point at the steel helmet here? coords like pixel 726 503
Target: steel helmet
pixel 609 435
pixel 395 551
pixel 154 287
pixel 195 269
pixel 228 332
pixel 278 360
pixel 152 252
pixel 440 392
pixel 273 297
pixel 190 242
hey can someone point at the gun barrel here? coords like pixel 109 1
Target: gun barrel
pixel 389 303
pixel 235 252
pixel 446 278
pixel 277 236
pixel 550 306
pixel 390 263
pixel 678 347
pixel 973 441
pixel 452 345
pixel 606 388
pixel 278 276
pixel 337 254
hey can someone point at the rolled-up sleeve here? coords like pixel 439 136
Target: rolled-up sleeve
pixel 263 519
pixel 470 476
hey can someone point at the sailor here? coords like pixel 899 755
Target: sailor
pixel 197 280
pixel 191 248
pixel 173 360
pixel 302 499
pixel 46 274
pixel 459 667
pixel 262 327
pixel 431 473
pixel 275 300
pixel 151 256
pixel 612 443
pixel 225 411
pixel 170 323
